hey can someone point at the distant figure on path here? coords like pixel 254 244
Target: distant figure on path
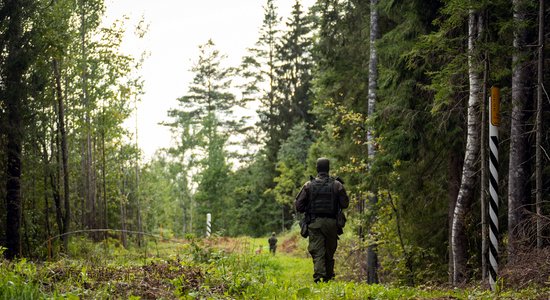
pixel 272 243
pixel 321 199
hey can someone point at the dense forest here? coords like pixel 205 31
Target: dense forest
pixel 394 92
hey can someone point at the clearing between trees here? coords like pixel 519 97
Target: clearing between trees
pixel 213 268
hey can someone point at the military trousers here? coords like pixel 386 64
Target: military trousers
pixel 323 240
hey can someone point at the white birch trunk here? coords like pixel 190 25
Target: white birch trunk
pixel 465 194
pixel 372 259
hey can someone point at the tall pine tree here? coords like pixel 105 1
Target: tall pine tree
pixel 207 108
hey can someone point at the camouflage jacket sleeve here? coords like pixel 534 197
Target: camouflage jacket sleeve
pixel 341 195
pixel 302 198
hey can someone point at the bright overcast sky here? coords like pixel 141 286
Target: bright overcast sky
pixel 176 28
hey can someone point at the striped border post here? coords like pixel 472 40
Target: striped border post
pixel 494 123
pixel 208 224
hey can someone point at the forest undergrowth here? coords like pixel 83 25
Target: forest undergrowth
pixel 214 268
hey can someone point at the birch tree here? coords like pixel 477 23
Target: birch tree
pixel 468 182
pixel 372 259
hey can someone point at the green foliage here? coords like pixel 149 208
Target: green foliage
pixel 288 182
pixel 68 34
pixel 402 261
pixel 258 71
pixel 293 91
pixel 311 81
pixel 158 191
pixel 18 280
pixel 205 122
pixel 253 209
pixel 291 164
pixel 200 270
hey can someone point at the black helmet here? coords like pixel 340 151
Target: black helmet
pixel 323 165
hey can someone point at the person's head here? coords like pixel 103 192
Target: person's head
pixel 273 233
pixel 323 165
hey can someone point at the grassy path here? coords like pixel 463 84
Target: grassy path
pixel 295 266
pixel 293 280
pixel 217 268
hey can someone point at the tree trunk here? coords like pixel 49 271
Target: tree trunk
pixel 123 198
pixel 459 240
pixel 138 208
pixel 454 169
pixel 372 259
pixel 45 182
pixel 64 155
pixel 538 143
pixel 361 202
pixel 184 220
pixel 47 173
pixel 140 228
pixel 518 176
pixel 15 89
pixel 483 147
pixel 89 185
pixel 104 178
pixel 54 183
pixel 84 190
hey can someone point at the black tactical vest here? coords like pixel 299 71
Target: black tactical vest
pixel 322 202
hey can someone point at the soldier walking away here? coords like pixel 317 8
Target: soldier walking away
pixel 272 243
pixel 321 199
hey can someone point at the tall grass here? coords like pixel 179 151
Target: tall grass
pixel 18 280
pixel 205 269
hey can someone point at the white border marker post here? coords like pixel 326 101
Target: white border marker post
pixel 208 224
pixel 494 123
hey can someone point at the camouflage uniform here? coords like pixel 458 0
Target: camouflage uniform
pixel 323 231
pixel 272 243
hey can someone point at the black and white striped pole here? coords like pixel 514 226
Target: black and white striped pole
pixel 208 224
pixel 494 123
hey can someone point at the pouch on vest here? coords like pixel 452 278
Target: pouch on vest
pixel 340 221
pixel 304 222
